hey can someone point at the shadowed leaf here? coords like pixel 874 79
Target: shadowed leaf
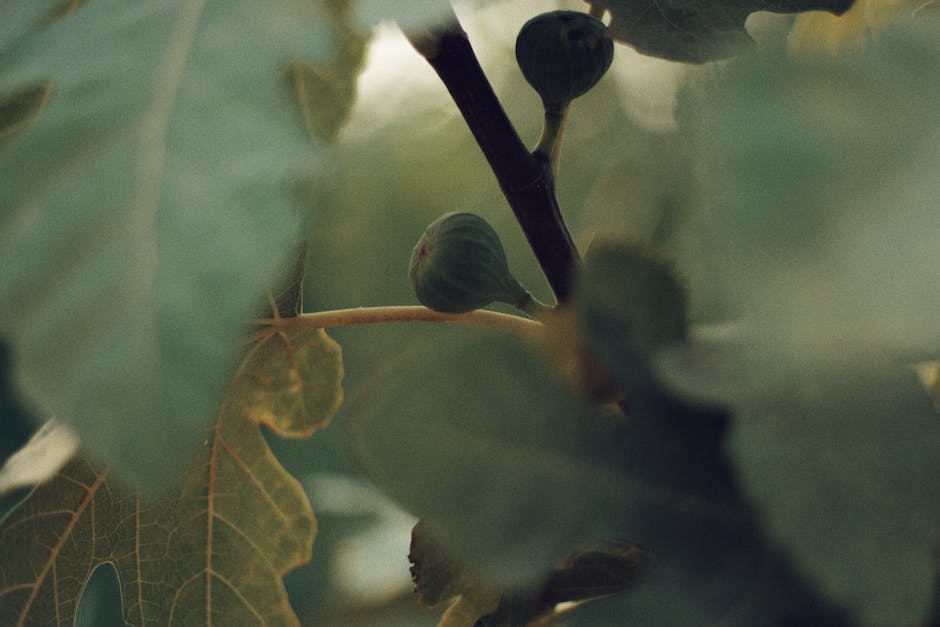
pixel 698 30
pixel 607 569
pixel 631 303
pixel 214 550
pixel 819 220
pixel 18 108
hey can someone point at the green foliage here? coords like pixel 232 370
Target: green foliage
pixel 632 305
pixel 145 210
pixel 213 549
pixel 698 31
pixel 820 218
pixel 607 569
pixel 325 92
pixel 151 157
pixel 17 109
pixel 842 464
pixel 492 439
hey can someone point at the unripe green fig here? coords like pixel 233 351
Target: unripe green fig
pixel 459 265
pixel 563 54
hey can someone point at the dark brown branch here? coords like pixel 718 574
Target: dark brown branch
pixel 526 181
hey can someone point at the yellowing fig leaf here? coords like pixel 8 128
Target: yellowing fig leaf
pixel 211 552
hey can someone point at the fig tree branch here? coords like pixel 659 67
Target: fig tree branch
pixel 525 179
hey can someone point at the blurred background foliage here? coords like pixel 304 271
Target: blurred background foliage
pixel 837 148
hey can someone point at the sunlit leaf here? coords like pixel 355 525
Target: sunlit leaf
pixel 696 31
pixel 214 550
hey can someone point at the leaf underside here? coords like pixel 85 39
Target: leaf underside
pixel 214 550
pixel 699 30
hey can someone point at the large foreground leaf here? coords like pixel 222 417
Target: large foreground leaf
pixel 696 30
pixel 821 227
pixel 213 551
pixel 146 207
pixel 476 434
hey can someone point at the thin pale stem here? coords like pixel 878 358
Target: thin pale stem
pixel 533 307
pixel 553 135
pixel 405 313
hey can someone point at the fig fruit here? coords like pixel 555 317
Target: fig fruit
pixel 563 54
pixel 459 265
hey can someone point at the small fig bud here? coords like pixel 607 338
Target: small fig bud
pixel 459 265
pixel 563 54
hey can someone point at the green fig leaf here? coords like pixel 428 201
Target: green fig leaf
pixel 632 304
pixel 493 438
pixel 479 447
pixel 842 464
pixel 212 550
pixel 817 229
pixel 146 207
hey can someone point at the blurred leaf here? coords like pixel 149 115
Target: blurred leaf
pixel 607 569
pixel 146 208
pixel 929 374
pixel 819 222
pixel 822 33
pixel 631 304
pixel 326 92
pixel 697 31
pixel 22 20
pixel 843 465
pixel 476 436
pixel 213 552
pixel 18 108
pixel 820 188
